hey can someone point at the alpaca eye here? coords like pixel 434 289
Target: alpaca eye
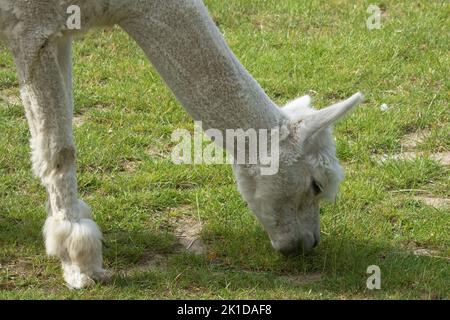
pixel 317 188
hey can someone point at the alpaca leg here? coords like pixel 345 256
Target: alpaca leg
pixel 46 90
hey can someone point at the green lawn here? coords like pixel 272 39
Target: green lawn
pixel 124 119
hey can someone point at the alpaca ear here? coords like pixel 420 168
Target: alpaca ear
pixel 324 118
pixel 298 108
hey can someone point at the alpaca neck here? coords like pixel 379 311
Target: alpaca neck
pixel 191 55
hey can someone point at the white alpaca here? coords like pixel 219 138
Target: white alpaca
pixel 190 54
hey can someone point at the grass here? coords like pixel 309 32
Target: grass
pixel 125 117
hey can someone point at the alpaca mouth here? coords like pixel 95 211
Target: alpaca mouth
pixel 298 247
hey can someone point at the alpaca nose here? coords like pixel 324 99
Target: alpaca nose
pixel 304 245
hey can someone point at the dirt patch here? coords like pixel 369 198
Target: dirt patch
pixel 154 152
pixel 17 268
pixel 188 232
pixel 12 272
pixel 423 252
pixel 185 223
pixel 129 165
pixel 409 143
pixel 148 263
pixel 10 97
pixel 151 262
pixel 441 157
pixel 302 279
pixel 434 202
pixel 413 139
pixel 78 121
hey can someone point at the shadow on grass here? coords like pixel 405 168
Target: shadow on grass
pixel 151 260
pixel 337 269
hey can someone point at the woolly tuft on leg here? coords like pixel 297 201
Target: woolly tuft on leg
pixel 78 243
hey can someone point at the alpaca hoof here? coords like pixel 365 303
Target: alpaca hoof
pixel 77 280
pixel 79 245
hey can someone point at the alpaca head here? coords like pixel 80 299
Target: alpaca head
pixel 287 203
